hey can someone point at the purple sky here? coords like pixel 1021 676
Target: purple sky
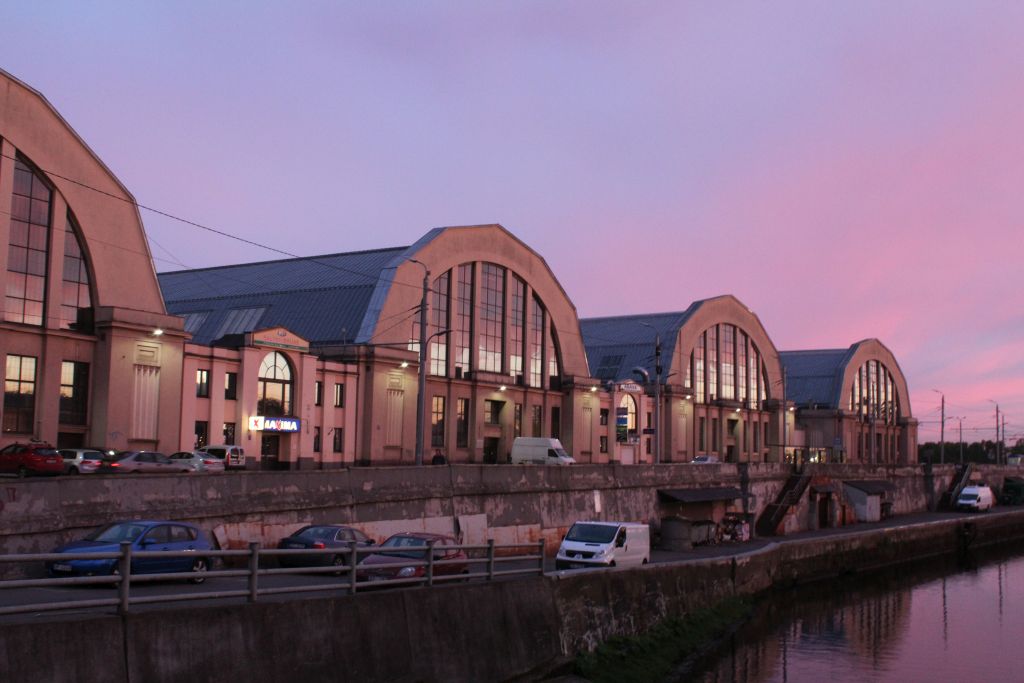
pixel 848 170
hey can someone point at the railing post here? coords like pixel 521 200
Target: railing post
pixel 430 563
pixel 490 559
pixel 254 570
pixel 353 560
pixel 540 552
pixel 124 568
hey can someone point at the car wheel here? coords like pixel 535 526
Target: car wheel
pixel 73 470
pixel 115 571
pixel 22 472
pixel 199 567
pixel 339 562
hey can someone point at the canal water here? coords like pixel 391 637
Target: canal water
pixel 938 621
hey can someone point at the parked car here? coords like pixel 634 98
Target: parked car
pixel 81 460
pixel 412 546
pixel 232 456
pixel 319 537
pixel 704 459
pixel 528 450
pixel 144 535
pixel 144 461
pixel 977 498
pixel 605 544
pixel 199 462
pixel 35 457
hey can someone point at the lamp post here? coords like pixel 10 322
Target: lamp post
pixel 942 429
pixel 998 449
pixel 657 393
pixel 421 391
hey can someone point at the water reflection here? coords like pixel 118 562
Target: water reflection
pixel 932 622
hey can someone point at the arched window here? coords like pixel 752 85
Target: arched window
pixel 626 413
pixel 275 389
pixel 726 364
pixel 28 251
pixel 873 395
pixel 75 281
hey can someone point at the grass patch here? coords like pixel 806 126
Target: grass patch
pixel 653 655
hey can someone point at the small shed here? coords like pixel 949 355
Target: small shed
pixel 872 499
pixel 710 502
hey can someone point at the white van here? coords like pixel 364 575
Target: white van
pixel 976 498
pixel 528 450
pixel 233 456
pixel 605 544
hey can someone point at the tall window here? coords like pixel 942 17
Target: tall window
pixel 517 420
pixel 492 412
pixel 203 383
pixel 556 422
pixel 74 392
pixel 554 366
pixel 75 281
pixel 726 364
pixel 462 423
pixel 229 433
pixel 728 354
pixel 463 334
pixel 712 358
pixel 316 440
pixel 339 439
pixel 29 247
pixel 625 419
pixel 339 395
pixel 439 297
pixel 698 367
pixel 536 420
pixel 741 368
pixel 517 324
pixel 492 318
pixel 536 342
pixel 274 397
pixel 20 394
pixel 437 422
pixel 202 431
pixel 230 386
pixel 873 394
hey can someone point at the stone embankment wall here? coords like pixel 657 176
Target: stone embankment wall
pixel 482 631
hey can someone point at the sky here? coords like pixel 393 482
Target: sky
pixel 847 170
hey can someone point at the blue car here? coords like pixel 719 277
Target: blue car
pixel 144 535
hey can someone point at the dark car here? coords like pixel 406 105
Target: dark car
pixel 320 537
pixel 412 546
pixel 35 457
pixel 145 461
pixel 144 535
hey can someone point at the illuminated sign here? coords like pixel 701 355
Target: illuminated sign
pixel 631 387
pixel 258 423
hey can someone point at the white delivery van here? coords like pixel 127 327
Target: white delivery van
pixel 976 498
pixel 605 544
pixel 528 450
pixel 233 456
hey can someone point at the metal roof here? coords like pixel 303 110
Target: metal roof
pixel 700 495
pixel 615 345
pixel 872 487
pixel 815 376
pixel 320 298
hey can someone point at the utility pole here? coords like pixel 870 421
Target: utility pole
pixel 1002 438
pixel 961 420
pixel 785 416
pixel 942 434
pixel 657 398
pixel 999 460
pixel 421 393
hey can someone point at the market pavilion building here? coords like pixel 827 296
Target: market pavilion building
pixel 82 364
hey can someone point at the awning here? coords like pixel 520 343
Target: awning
pixel 823 488
pixel 872 487
pixel 703 495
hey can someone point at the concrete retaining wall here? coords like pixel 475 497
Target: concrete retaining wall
pixel 484 631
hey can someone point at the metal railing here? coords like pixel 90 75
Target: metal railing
pixel 481 562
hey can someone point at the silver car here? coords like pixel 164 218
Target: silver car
pixel 81 460
pixel 199 461
pixel 145 461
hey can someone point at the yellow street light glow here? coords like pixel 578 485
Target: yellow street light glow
pixel 157 332
pixel 404 364
pixel 502 388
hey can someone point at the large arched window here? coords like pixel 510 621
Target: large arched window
pixel 873 395
pixel 29 247
pixel 726 364
pixel 275 389
pixel 75 281
pixel 625 419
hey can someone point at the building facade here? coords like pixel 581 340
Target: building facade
pixel 90 354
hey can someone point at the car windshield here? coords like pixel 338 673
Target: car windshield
pixel 316 533
pixel 591 533
pixel 115 533
pixel 406 542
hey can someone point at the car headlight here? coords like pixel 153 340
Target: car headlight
pixel 406 572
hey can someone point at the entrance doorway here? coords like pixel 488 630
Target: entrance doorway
pixel 823 506
pixel 491 444
pixel 270 448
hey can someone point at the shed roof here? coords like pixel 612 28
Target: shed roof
pixel 700 495
pixel 815 376
pixel 872 487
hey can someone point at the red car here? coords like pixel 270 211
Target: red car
pixel 31 458
pixel 413 546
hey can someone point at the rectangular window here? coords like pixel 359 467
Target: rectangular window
pixel 20 394
pixel 757 436
pixel 438 346
pixel 701 436
pixel 74 392
pixel 536 336
pixel 28 248
pixel 492 412
pixel 437 422
pixel 728 355
pixel 698 369
pixel 556 422
pixel 318 393
pixel 536 420
pixel 714 434
pixel 766 435
pixel 230 386
pixel 712 362
pixel 339 439
pixel 202 383
pixel 647 445
pixel 202 433
pixel 604 444
pixel 650 422
pixel 492 318
pixel 604 417
pixel 462 423
pixel 516 329
pixel 463 334
pixel 316 439
pixel 339 395
pixel 229 433
pixel 517 421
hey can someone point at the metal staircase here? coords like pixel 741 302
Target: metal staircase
pixel 960 480
pixel 790 495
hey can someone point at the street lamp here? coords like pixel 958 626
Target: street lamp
pixel 657 392
pixel 942 430
pixel 998 442
pixel 421 392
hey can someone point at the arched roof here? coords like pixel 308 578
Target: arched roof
pixel 824 377
pixel 107 215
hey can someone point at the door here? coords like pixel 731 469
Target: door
pixel 157 538
pixel 823 505
pixel 270 448
pixel 491 449
pixel 180 539
pixel 626 455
